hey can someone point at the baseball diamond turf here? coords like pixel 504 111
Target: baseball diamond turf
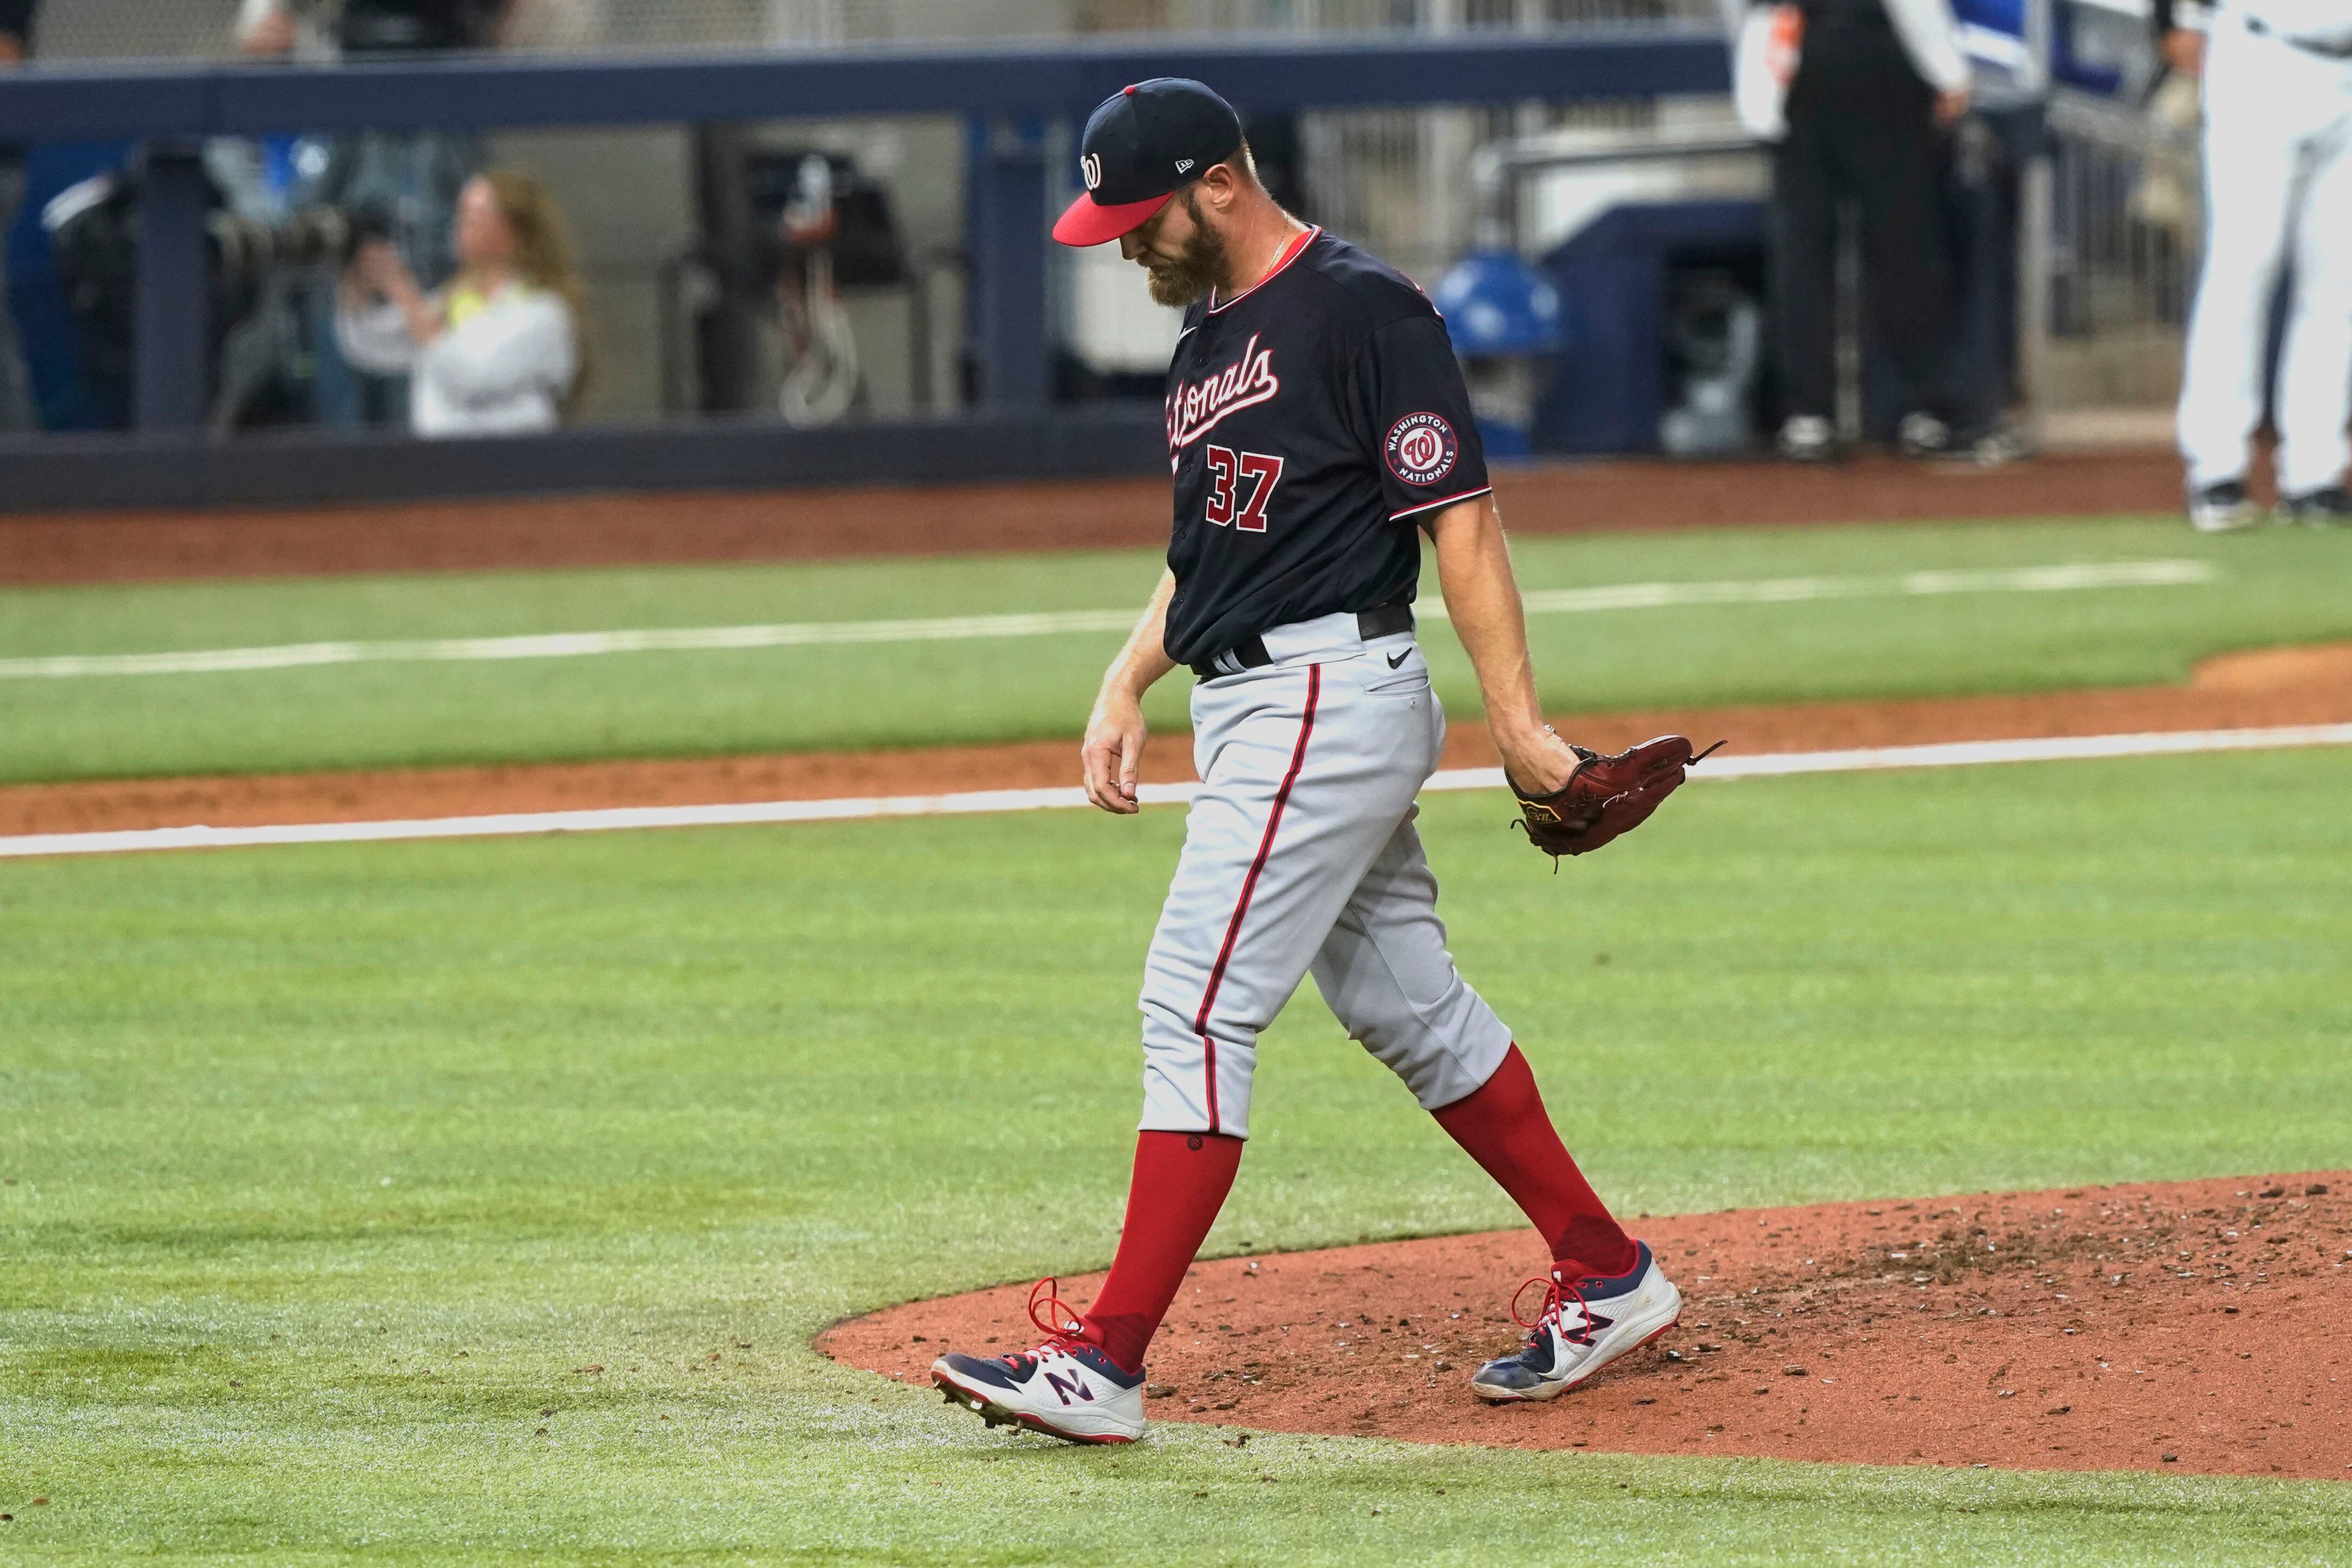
pixel 2270 589
pixel 333 1176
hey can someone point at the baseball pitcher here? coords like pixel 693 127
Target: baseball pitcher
pixel 2278 181
pixel 1318 426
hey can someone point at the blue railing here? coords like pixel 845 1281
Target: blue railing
pixel 1013 92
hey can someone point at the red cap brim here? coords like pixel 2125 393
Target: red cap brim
pixel 1090 223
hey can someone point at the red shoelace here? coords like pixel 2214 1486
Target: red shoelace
pixel 1557 1294
pixel 1052 1317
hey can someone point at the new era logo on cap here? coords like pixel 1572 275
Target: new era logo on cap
pixel 1141 147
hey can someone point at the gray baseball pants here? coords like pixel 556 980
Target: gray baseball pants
pixel 1300 856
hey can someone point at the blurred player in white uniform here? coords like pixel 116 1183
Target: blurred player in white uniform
pixel 2278 176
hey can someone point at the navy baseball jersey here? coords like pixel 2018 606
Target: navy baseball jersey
pixel 1313 421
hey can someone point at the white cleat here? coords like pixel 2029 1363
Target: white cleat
pixel 1585 1324
pixel 1064 1388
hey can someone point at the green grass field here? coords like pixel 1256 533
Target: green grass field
pixel 2277 586
pixel 326 1167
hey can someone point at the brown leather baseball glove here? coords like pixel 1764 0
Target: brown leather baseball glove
pixel 1606 797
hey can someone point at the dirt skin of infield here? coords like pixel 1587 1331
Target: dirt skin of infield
pixel 2284 685
pixel 2200 1326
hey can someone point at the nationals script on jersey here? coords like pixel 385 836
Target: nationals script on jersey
pixel 1314 421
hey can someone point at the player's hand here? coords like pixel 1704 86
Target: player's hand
pixel 2184 51
pixel 1113 752
pixel 1950 106
pixel 1536 760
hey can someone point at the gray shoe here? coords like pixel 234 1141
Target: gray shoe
pixel 2328 508
pixel 1922 435
pixel 1809 438
pixel 2224 507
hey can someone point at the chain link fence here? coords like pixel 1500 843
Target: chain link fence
pixel 2127 229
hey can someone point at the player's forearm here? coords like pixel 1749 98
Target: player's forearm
pixel 1482 598
pixel 1144 659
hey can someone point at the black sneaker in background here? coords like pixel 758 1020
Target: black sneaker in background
pixel 2329 507
pixel 2224 507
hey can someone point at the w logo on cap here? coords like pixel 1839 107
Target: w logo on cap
pixel 1091 165
pixel 1183 165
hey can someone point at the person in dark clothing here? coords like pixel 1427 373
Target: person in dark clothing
pixel 1879 84
pixel 15 395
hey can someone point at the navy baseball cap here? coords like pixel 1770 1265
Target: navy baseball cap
pixel 1142 146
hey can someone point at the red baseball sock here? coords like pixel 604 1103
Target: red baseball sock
pixel 1505 1127
pixel 1180 1183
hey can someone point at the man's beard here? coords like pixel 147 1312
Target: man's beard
pixel 1193 275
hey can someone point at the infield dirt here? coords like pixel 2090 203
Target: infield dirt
pixel 2285 686
pixel 2194 1326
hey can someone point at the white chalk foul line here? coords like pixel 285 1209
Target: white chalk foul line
pixel 959 628
pixel 1717 768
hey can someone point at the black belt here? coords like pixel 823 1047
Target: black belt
pixel 1384 621
pixel 2324 51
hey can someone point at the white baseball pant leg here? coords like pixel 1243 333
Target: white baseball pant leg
pixel 2315 397
pixel 1300 853
pixel 2275 121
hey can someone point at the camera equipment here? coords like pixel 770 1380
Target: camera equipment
pixel 244 249
pixel 94 234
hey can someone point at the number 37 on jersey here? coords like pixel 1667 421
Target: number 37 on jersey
pixel 1240 484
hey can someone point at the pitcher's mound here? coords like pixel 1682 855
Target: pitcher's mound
pixel 2199 1326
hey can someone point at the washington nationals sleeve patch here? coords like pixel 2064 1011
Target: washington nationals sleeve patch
pixel 1422 448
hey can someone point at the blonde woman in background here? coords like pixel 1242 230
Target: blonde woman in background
pixel 500 349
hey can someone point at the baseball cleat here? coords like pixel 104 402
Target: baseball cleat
pixel 2328 508
pixel 1064 1388
pixel 1586 1323
pixel 2222 508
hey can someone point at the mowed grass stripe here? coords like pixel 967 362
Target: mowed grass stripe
pixel 958 628
pixel 2270 589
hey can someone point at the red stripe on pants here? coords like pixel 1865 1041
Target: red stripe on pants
pixel 1249 887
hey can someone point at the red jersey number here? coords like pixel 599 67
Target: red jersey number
pixel 1229 471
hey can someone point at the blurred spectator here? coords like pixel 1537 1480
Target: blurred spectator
pixel 409 178
pixel 499 351
pixel 1878 86
pixel 15 392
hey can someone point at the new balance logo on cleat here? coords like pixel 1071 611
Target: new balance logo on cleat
pixel 1051 1389
pixel 1571 1340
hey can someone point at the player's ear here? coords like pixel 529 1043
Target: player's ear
pixel 1221 183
